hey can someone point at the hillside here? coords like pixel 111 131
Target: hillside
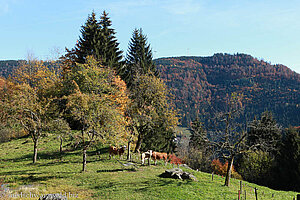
pixel 105 179
pixel 200 86
pixel 7 66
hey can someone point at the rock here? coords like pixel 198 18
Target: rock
pixel 177 173
pixel 53 197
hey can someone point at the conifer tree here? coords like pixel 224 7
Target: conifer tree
pixel 111 55
pixel 98 40
pixel 138 59
pixel 87 42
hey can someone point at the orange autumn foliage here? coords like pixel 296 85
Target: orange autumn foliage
pixel 175 160
pixel 221 169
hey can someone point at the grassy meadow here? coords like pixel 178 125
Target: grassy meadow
pixel 105 179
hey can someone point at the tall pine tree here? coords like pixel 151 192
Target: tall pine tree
pixel 98 40
pixel 111 55
pixel 86 44
pixel 138 59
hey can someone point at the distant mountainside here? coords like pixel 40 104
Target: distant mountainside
pixel 200 86
pixel 7 66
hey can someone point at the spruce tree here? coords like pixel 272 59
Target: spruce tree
pixel 111 55
pixel 138 59
pixel 98 40
pixel 87 42
pixel 266 132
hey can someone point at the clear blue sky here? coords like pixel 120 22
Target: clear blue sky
pixel 267 29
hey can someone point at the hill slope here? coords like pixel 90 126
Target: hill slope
pixel 200 85
pixel 105 179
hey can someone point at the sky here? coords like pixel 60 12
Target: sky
pixel 265 29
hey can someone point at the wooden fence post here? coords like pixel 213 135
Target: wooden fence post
pixel 245 195
pixel 255 190
pixel 241 187
pixel 212 176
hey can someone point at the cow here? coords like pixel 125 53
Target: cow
pixel 116 151
pixel 146 155
pixel 159 156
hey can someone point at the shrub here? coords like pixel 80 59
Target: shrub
pixel 221 169
pixel 175 160
pixel 257 167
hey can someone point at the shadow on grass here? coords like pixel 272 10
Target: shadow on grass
pixel 34 179
pixel 20 172
pixel 101 151
pixel 116 170
pixel 42 155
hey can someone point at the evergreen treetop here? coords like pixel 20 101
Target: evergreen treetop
pixel 139 58
pixel 98 40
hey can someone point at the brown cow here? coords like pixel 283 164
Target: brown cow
pixel 116 151
pixel 159 156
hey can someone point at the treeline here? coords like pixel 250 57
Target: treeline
pixel 200 85
pixel 8 66
pixel 92 95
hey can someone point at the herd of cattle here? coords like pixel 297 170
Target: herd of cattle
pixel 146 155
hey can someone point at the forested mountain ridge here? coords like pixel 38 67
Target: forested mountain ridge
pixel 201 84
pixel 7 66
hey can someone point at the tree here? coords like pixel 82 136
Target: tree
pixel 257 166
pixel 88 42
pixel 266 132
pixel 200 153
pixel 138 59
pixel 288 161
pixel 155 117
pixel 8 126
pixel 98 40
pixel 86 45
pixel 29 102
pixel 62 129
pixel 230 138
pixel 97 100
pixel 111 55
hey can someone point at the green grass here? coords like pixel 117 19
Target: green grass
pixel 106 179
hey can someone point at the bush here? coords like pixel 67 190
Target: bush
pixel 221 169
pixel 175 160
pixel 198 159
pixel 256 167
pixel 7 134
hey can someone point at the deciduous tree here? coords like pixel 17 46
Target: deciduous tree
pixel 155 117
pixel 29 101
pixel 98 101
pixel 230 138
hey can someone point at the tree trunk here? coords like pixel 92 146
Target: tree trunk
pixel 138 144
pixel 35 144
pixel 84 160
pixel 60 146
pixel 228 174
pixel 128 151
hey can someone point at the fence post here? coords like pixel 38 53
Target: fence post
pixel 255 189
pixel 239 195
pixel 241 187
pixel 212 176
pixel 245 195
